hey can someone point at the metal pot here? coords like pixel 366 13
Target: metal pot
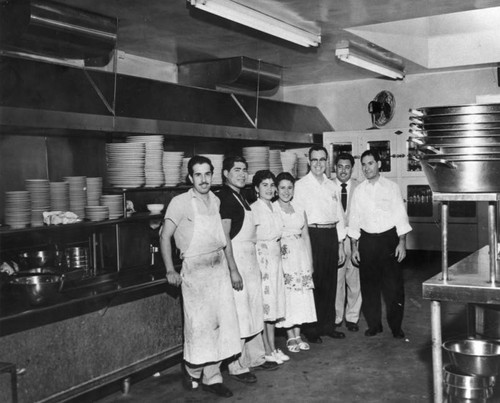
pixel 454 127
pixel 40 258
pixel 457 141
pixel 462 173
pixel 36 289
pixel 466 109
pixel 419 130
pixel 458 149
pixel 453 376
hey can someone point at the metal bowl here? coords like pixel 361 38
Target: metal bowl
pixel 453 376
pixel 36 289
pixel 39 258
pixel 474 357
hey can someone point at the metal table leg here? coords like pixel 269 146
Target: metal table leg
pixel 437 357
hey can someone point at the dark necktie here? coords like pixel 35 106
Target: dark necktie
pixel 343 196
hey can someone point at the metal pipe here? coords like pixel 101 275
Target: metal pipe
pixel 444 241
pixel 492 232
pixel 437 357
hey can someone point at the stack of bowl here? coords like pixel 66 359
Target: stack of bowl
pixel 77 258
pixel 459 147
pixel 472 373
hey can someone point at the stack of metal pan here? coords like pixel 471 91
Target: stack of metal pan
pixel 459 147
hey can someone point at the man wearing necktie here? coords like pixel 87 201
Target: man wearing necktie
pixel 347 306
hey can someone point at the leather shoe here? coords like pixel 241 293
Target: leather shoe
pixel 190 383
pixel 351 326
pixel 338 324
pixel 373 331
pixel 218 388
pixel 266 366
pixel 335 335
pixel 314 339
pixel 245 377
pixel 398 334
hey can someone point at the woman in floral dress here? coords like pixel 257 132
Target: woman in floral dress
pixel 268 230
pixel 296 257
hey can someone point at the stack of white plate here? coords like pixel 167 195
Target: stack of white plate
pixel 217 160
pixel 59 196
pixel 40 197
pixel 97 213
pixel 302 166
pixel 184 170
pixel 289 162
pixel 94 191
pixel 77 194
pixel 115 205
pixel 257 158
pixel 17 208
pixel 172 162
pixel 275 165
pixel 153 168
pixel 125 164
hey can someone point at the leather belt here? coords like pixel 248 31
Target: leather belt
pixel 329 226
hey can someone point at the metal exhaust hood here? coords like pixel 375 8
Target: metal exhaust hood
pixel 50 98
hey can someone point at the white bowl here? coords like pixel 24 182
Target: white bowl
pixel 155 208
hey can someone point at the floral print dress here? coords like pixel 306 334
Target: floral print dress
pixel 297 269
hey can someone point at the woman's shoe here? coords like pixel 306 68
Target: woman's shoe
pixel 292 345
pixel 273 358
pixel 281 355
pixel 302 344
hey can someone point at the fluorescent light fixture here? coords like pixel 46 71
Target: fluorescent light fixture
pixel 245 15
pixel 349 56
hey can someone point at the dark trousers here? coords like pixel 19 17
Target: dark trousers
pixel 380 273
pixel 325 253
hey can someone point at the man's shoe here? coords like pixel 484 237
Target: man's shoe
pixel 398 334
pixel 190 383
pixel 351 326
pixel 245 377
pixel 373 331
pixel 217 388
pixel 335 335
pixel 266 366
pixel 338 324
pixel 314 339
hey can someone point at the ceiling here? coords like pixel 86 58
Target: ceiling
pixel 174 32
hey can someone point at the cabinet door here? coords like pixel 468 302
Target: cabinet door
pixel 343 142
pixel 385 142
pixel 409 166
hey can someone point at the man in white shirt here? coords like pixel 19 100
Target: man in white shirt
pixel 348 274
pixel 378 224
pixel 319 198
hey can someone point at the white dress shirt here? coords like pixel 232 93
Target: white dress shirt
pixel 377 207
pixel 320 201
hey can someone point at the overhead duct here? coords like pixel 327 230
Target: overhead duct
pixel 53 29
pixel 235 74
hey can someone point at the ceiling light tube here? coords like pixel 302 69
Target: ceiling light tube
pixel 348 56
pixel 255 19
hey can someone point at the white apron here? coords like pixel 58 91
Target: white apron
pixel 211 331
pixel 249 300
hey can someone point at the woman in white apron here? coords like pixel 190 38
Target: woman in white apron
pixel 268 249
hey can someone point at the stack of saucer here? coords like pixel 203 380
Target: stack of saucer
pixel 59 196
pixel 77 194
pixel 114 204
pixel 172 162
pixel 17 209
pixel 153 167
pixel 275 165
pixel 289 162
pixel 97 213
pixel 257 158
pixel 216 160
pixel 125 164
pixel 94 191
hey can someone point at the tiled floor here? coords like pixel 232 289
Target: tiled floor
pixel 355 369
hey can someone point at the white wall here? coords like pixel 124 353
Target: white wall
pixel 345 104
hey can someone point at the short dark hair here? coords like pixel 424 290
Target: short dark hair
pixel 285 176
pixel 371 152
pixel 344 156
pixel 230 162
pixel 317 148
pixel 199 159
pixel 261 176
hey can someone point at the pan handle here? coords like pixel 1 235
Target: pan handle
pixel 427 147
pixel 416 112
pixel 434 163
pixel 416 119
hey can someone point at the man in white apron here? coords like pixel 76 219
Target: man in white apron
pixel 239 227
pixel 211 332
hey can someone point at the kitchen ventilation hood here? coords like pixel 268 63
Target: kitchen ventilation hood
pixel 47 28
pixel 50 98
